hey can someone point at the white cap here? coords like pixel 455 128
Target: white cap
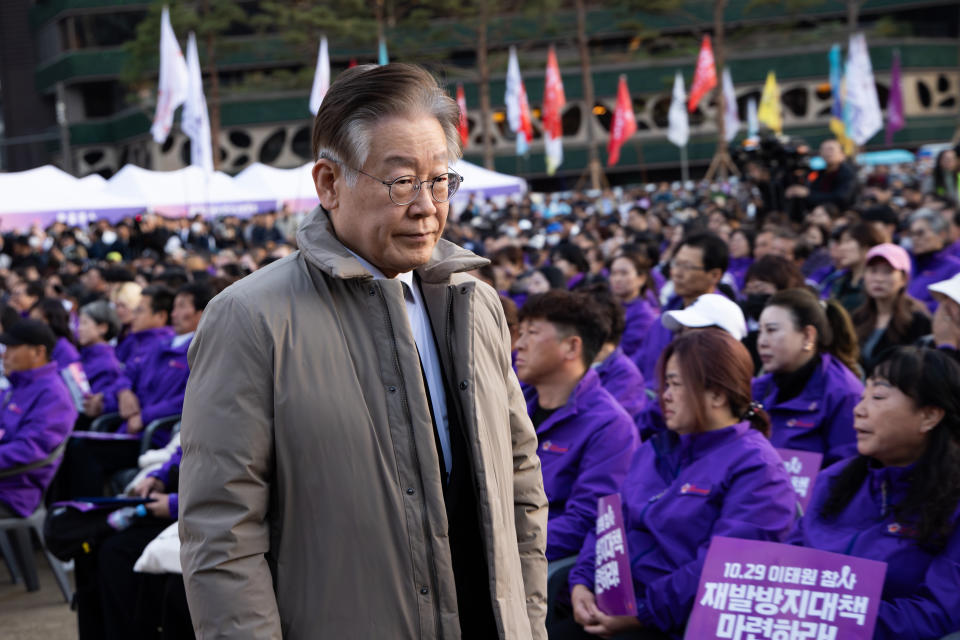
pixel 709 310
pixel 949 288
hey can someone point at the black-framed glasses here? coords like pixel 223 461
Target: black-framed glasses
pixel 405 189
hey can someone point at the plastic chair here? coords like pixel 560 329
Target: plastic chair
pixel 557 572
pixel 122 478
pixel 19 556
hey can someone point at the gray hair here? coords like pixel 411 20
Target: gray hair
pixel 102 312
pixel 365 95
pixel 936 221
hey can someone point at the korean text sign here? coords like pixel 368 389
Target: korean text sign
pixel 803 467
pixel 613 583
pixel 752 590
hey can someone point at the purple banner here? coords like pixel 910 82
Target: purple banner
pixel 803 467
pixel 752 590
pixel 613 582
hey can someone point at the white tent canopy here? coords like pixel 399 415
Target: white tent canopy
pixel 291 187
pixel 46 194
pixel 187 191
pixel 488 183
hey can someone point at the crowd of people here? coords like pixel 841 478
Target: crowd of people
pixel 664 336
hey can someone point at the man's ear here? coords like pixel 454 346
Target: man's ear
pixel 325 174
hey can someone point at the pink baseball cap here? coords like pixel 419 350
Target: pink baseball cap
pixel 895 255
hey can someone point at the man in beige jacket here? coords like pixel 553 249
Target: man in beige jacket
pixel 357 457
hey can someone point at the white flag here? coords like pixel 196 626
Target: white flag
pixel 196 121
pixel 861 105
pixel 731 119
pixel 753 122
pixel 172 90
pixel 679 131
pixel 321 78
pixel 512 96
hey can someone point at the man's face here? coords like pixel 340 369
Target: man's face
pixel 394 238
pixel 832 153
pixel 185 317
pixel 144 316
pixel 690 279
pixel 19 299
pixel 541 350
pixel 24 357
pixel 763 244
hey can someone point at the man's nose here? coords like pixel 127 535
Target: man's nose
pixel 424 203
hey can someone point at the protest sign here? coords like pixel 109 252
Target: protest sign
pixel 752 590
pixel 613 583
pixel 803 467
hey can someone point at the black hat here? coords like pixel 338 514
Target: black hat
pixel 32 332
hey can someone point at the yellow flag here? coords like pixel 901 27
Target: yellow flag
pixel 769 111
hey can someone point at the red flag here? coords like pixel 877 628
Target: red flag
pixel 705 77
pixel 553 102
pixel 624 123
pixel 463 126
pixel 353 63
pixel 526 124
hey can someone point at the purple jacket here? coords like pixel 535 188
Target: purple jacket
pixel 640 314
pixel 738 269
pixel 921 591
pixel 656 340
pixel 621 378
pixel 38 414
pixel 163 474
pixel 160 380
pixel 680 492
pixel 929 269
pixel 820 418
pixel 585 448
pixel 102 368
pixel 64 353
pixel 141 342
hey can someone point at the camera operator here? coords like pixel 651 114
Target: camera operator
pixel 836 184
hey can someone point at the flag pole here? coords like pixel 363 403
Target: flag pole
pixel 684 167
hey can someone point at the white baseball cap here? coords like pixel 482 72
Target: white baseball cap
pixel 709 310
pixel 949 288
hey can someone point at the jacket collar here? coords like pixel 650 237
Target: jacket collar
pixel 813 392
pixel 685 449
pixel 321 247
pixel 609 362
pixel 29 376
pixel 96 350
pixel 578 397
pixel 157 332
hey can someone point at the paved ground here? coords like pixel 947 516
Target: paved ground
pixel 41 615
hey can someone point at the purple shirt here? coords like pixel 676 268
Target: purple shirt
pixel 640 314
pixel 585 448
pixel 163 474
pixel 136 344
pixel 921 592
pixel 738 269
pixel 159 380
pixel 656 340
pixel 820 418
pixel 679 493
pixel 930 269
pixel 38 414
pixel 101 367
pixel 621 378
pixel 64 353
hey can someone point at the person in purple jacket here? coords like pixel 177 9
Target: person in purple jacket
pixel 630 282
pixel 149 326
pixel 697 268
pixel 898 500
pixel 618 374
pixel 741 255
pixel 585 437
pixel 809 353
pixel 712 473
pixel 37 416
pixel 98 325
pixel 52 312
pixel 932 261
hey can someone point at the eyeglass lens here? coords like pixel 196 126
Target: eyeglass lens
pixel 404 190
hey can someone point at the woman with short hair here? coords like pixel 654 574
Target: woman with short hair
pixel 711 473
pixel 898 500
pixel 630 283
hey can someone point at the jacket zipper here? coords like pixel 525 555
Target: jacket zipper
pixel 448 338
pixel 413 447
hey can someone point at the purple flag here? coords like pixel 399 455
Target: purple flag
pixel 613 583
pixel 895 100
pixel 752 590
pixel 803 467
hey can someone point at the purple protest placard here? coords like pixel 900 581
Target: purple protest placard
pixel 752 590
pixel 613 583
pixel 803 467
